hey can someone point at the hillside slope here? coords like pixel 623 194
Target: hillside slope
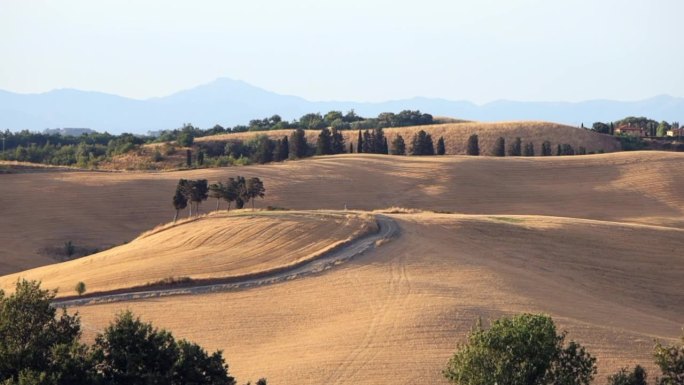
pixel 395 314
pixel 219 245
pixel 456 135
pixel 99 209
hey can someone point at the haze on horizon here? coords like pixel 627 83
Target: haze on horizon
pixel 485 50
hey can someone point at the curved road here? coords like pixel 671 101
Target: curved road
pixel 387 228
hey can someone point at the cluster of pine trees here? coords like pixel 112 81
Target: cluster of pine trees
pixel 191 193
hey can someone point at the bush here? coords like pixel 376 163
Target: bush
pixel 80 288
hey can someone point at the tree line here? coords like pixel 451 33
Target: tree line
pixel 527 349
pixel 38 346
pixel 191 193
pixel 516 148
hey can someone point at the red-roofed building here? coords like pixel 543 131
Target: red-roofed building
pixel 626 129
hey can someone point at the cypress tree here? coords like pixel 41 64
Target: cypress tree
pixel 337 145
pixel 298 146
pixel 368 144
pixel 188 157
pixel 351 148
pixel 277 150
pixel 529 149
pixel 264 150
pixel 473 145
pixel 440 146
pixel 385 148
pixel 499 147
pixel 559 150
pixel 398 146
pixel 200 157
pixel 284 148
pixel 429 148
pixel 515 148
pixel 359 143
pixel 422 144
pixel 379 141
pixel 324 143
pixel 546 148
pixel 567 149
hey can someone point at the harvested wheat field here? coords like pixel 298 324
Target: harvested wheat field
pixel 595 241
pixel 219 245
pixel 395 314
pixel 103 209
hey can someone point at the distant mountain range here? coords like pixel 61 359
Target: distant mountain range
pixel 231 102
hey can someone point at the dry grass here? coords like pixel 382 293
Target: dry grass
pixel 98 208
pixel 594 241
pixel 394 315
pixel 456 135
pixel 216 246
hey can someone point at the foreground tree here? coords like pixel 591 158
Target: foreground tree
pixel 133 352
pixel 473 147
pixel 546 148
pixel 624 377
pixel 38 343
pixel 529 149
pixel 523 349
pixel 670 360
pixel 40 347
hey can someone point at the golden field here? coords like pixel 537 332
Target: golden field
pixel 219 245
pixel 595 241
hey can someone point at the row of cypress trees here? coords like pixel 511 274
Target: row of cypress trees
pixel 331 141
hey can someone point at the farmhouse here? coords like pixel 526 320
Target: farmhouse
pixel 675 132
pixel 626 129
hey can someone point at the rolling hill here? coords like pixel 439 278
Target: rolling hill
pixel 395 314
pixel 455 135
pixel 595 241
pixel 102 209
pixel 219 245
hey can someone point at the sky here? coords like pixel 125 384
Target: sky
pixel 352 50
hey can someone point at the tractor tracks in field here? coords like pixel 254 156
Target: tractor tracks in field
pixel 387 229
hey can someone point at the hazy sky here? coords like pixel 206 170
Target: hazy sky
pixel 361 50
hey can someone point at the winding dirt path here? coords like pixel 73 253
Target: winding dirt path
pixel 387 229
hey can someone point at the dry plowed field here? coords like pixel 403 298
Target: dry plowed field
pixel 595 241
